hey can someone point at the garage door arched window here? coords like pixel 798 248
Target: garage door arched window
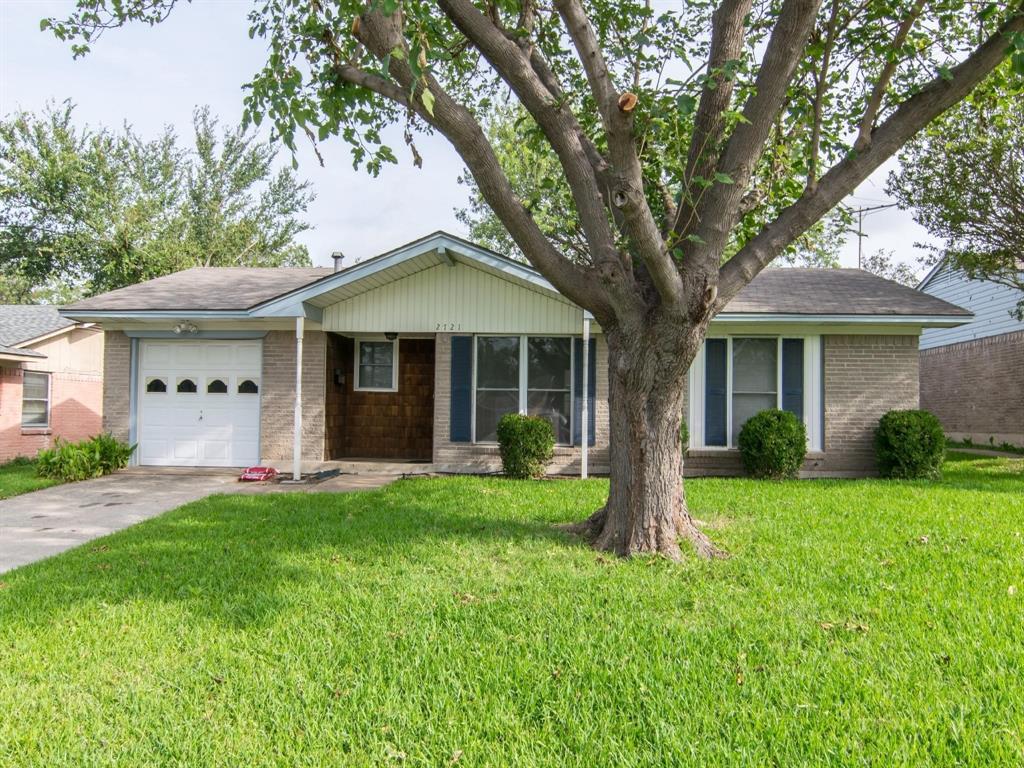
pixel 187 386
pixel 249 387
pixel 156 385
pixel 216 387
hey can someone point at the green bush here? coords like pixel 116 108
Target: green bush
pixel 97 456
pixel 527 444
pixel 909 444
pixel 684 436
pixel 773 444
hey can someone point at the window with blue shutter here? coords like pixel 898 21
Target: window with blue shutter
pixel 577 387
pixel 715 391
pixel 793 376
pixel 461 418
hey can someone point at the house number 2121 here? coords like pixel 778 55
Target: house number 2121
pixel 449 326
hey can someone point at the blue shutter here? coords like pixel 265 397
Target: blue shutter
pixel 461 424
pixel 715 351
pixel 793 376
pixel 577 388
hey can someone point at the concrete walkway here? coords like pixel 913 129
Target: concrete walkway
pixel 44 523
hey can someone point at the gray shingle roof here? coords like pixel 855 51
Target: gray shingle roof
pixel 807 291
pixel 23 322
pixel 775 291
pixel 206 288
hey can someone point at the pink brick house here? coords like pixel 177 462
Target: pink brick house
pixel 414 355
pixel 51 379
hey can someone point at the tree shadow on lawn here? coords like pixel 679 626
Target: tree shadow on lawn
pixel 241 559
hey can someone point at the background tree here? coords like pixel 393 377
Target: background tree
pixel 697 143
pixel 963 178
pixel 84 211
pixel 884 264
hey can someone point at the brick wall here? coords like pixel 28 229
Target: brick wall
pixel 865 376
pixel 76 396
pixel 976 388
pixel 277 403
pixel 486 457
pixel 116 383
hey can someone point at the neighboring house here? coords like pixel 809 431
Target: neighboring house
pixel 415 354
pixel 972 376
pixel 51 379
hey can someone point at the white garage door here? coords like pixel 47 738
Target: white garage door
pixel 199 403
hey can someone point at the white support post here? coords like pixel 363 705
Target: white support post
pixel 297 437
pixel 584 406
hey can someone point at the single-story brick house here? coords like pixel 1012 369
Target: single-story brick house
pixel 415 354
pixel 972 375
pixel 51 379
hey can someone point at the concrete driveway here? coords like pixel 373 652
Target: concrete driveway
pixel 44 523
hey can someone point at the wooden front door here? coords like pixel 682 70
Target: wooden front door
pixel 381 425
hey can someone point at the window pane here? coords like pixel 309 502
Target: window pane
pixel 156 385
pixel 497 363
pixel 745 406
pixel 216 387
pixel 755 365
pixel 33 413
pixel 375 377
pixel 376 353
pixel 491 405
pixel 548 363
pixel 755 383
pixel 35 386
pixel 186 386
pixel 248 387
pixel 553 406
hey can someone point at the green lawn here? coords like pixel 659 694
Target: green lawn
pixel 19 476
pixel 441 621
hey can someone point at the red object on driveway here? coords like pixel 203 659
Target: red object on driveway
pixel 257 474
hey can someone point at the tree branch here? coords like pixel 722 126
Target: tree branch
pixel 727 38
pixel 882 84
pixel 628 195
pixel 554 119
pixel 909 117
pixel 747 142
pixel 382 35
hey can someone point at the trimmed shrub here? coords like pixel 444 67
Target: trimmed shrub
pixel 97 456
pixel 909 445
pixel 684 436
pixel 773 444
pixel 527 444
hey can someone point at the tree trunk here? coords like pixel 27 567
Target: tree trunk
pixel 646 510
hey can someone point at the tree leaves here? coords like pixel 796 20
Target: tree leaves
pixel 85 210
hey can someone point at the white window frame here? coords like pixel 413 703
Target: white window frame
pixel 524 379
pixel 812 386
pixel 49 393
pixel 356 387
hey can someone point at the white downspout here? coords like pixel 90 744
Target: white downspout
pixel 297 437
pixel 585 421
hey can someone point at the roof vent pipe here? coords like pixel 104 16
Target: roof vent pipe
pixel 338 257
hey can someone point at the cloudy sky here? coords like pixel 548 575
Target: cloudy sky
pixel 151 77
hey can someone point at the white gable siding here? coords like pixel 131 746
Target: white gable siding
pixel 453 299
pixel 991 304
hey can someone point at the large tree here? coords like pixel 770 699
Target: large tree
pixel 88 210
pixel 963 178
pixel 697 145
